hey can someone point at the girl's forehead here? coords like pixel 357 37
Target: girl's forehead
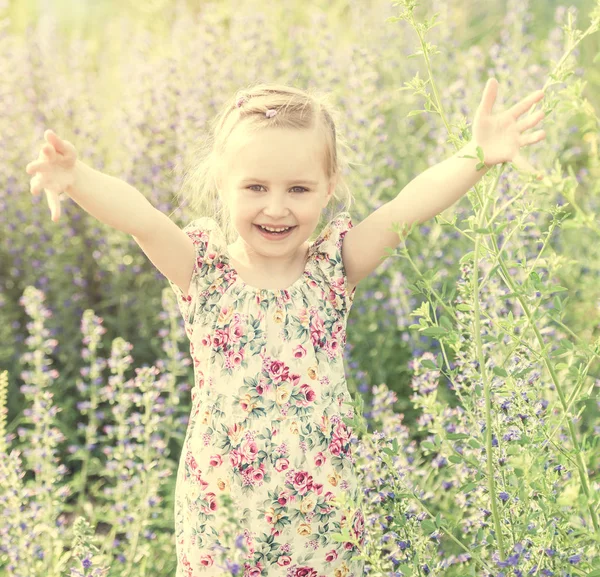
pixel 283 147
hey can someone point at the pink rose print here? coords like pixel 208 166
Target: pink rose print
pixel 284 560
pixel 216 460
pixel 305 572
pixel 191 461
pixel 283 497
pixel 245 405
pixel 338 285
pixel 212 504
pixel 317 330
pixel 317 488
pixel 278 371
pixel 258 474
pixel 235 358
pixel 281 464
pixel 320 458
pixel 206 560
pixel 206 340
pixel 331 556
pixel 308 396
pixel 342 431
pixel 359 526
pixel 235 459
pixel 248 450
pixel 302 482
pixel 255 571
pixel 220 339
pixel 236 332
pixel 335 447
pixel 333 298
pixel 333 346
pixel 299 352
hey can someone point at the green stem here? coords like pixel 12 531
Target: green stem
pixel 484 375
pixel 579 460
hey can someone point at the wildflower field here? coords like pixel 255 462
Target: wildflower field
pixel 473 352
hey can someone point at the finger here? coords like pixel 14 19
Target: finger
pixel 524 105
pixel 61 146
pixel 489 96
pixel 53 204
pixel 532 138
pixel 530 121
pixel 48 152
pixel 37 166
pixel 35 185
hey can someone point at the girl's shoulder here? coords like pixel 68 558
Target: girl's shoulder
pixel 329 240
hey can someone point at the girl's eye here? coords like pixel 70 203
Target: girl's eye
pixel 301 188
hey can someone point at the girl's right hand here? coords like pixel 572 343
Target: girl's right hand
pixel 53 171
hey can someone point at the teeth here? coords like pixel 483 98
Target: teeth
pixel 275 229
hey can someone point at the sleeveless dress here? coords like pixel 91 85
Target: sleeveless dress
pixel 266 424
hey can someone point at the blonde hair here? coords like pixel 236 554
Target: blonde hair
pixel 295 108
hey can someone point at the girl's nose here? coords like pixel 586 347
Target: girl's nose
pixel 276 206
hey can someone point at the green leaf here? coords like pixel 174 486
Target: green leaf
pixel 429 364
pixel 455 459
pixel 435 332
pixel 463 307
pixel 468 256
pixel 428 526
pixel 428 445
pixel 414 113
pixel 457 436
pixel 500 372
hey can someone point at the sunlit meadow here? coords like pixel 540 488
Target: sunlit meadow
pixel 472 351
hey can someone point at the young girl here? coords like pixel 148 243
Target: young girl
pixel 266 315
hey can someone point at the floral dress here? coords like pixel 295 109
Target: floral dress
pixel 266 422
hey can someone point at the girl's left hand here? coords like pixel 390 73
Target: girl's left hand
pixel 501 135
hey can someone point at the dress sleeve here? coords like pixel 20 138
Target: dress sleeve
pixel 328 254
pixel 200 232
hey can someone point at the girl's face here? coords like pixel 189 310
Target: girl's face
pixel 275 177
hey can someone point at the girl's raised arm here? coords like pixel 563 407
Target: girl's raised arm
pixel 114 202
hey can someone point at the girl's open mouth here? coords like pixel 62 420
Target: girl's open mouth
pixel 272 235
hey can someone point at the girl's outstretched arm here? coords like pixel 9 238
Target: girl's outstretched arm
pixel 499 135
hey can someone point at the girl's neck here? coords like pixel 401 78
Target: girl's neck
pixel 263 272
